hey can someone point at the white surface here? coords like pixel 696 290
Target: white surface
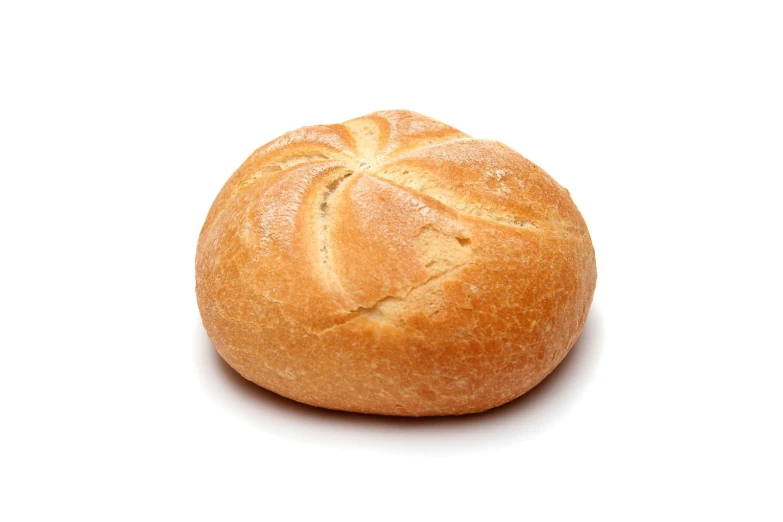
pixel 119 125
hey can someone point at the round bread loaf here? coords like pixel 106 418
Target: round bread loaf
pixel 393 265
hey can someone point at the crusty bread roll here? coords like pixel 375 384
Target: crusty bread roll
pixel 393 265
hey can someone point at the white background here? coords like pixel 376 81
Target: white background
pixel 118 126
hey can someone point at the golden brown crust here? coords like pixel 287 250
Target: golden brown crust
pixel 393 265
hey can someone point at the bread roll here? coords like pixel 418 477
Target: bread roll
pixel 393 265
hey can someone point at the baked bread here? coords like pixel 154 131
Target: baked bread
pixel 393 265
